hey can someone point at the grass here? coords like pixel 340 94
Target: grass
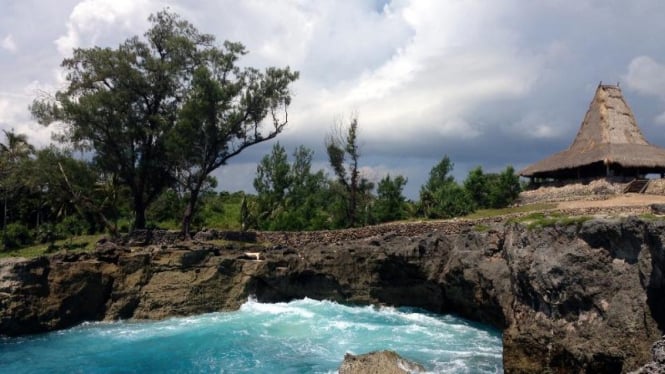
pixel 488 213
pixel 540 220
pixel 83 243
pixel 652 217
pixel 481 228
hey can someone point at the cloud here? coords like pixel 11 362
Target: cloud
pixel 647 76
pixel 485 82
pixel 8 43
pixel 94 22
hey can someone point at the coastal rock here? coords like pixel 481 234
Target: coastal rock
pixel 569 298
pixel 657 364
pixel 381 362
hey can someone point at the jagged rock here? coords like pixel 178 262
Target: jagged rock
pixel 568 298
pixel 657 365
pixel 381 362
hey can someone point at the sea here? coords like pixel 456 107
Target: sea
pixel 302 336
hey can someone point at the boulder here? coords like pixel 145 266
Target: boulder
pixel 378 362
pixel 657 209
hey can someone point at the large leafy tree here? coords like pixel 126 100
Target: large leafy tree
pixel 223 114
pixel 170 106
pixel 121 103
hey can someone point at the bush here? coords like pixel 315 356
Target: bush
pixel 70 226
pixel 17 235
pixel 450 200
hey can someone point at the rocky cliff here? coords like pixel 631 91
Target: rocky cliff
pixel 570 298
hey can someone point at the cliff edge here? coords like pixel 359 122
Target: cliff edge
pixel 581 297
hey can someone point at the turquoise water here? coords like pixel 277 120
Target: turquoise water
pixel 304 336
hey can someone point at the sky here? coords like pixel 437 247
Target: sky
pixel 489 83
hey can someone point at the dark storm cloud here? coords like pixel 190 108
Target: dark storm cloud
pixel 487 83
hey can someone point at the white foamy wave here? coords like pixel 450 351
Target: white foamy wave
pixel 252 306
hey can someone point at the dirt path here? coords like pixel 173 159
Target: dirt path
pixel 627 200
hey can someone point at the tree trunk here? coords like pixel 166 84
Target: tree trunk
pixel 4 222
pixel 139 213
pixel 187 216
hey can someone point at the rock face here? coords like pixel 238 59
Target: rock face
pixel 576 298
pixel 657 364
pixel 382 362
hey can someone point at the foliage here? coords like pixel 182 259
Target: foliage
pixel 478 186
pixel 71 226
pixel 390 204
pixel 493 190
pixel 353 192
pixel 450 200
pixel 84 243
pixel 441 196
pixel 222 115
pixel 171 106
pixel 16 235
pixel 289 195
pixel 504 188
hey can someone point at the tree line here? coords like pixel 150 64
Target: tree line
pixel 157 115
pixel 49 194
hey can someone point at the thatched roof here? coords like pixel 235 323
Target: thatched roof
pixel 609 135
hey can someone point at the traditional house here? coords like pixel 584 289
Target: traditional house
pixel 608 143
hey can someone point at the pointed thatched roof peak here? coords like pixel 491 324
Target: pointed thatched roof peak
pixel 608 136
pixel 609 120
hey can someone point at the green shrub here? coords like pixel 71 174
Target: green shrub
pixel 70 226
pixel 17 235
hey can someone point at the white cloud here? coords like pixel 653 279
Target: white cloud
pixel 646 76
pixel 8 43
pixel 473 79
pixel 431 81
pixel 15 116
pixel 92 22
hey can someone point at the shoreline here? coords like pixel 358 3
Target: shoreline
pixel 563 290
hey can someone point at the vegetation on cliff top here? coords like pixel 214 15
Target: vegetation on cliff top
pixel 159 113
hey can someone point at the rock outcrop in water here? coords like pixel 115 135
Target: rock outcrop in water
pixel 569 298
pixel 381 362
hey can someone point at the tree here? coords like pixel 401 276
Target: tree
pixel 308 197
pixel 14 152
pixel 504 189
pixel 223 114
pixel 492 190
pixel 478 186
pixel 390 203
pixel 123 104
pixel 354 189
pixel 272 182
pixel 441 196
pixel 289 195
